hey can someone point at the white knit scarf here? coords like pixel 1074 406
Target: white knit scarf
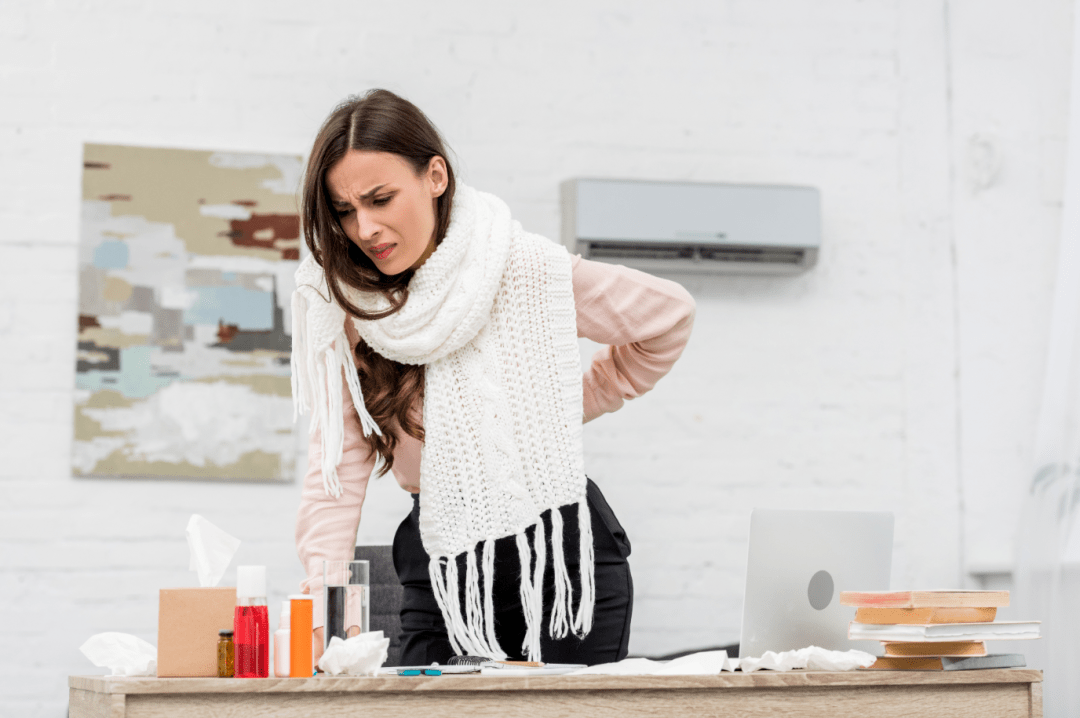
pixel 491 316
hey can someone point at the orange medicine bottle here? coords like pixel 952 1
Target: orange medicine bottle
pixel 301 662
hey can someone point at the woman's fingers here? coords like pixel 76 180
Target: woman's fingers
pixel 317 644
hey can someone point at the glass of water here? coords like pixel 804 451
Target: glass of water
pixel 345 599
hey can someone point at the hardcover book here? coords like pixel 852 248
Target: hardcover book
pixel 998 631
pixel 936 648
pixel 925 599
pixel 925 615
pixel 945 663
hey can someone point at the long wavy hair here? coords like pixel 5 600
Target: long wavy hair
pixel 378 121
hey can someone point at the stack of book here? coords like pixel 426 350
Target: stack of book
pixel 936 630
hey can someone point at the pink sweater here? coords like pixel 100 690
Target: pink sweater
pixel 645 322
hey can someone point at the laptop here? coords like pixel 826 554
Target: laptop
pixel 799 562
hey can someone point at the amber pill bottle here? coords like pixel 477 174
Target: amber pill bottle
pixel 226 654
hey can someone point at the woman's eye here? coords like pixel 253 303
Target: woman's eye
pixel 380 201
pixel 344 212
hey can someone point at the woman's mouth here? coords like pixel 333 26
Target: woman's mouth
pixel 382 251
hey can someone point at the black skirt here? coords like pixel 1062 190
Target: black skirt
pixel 423 632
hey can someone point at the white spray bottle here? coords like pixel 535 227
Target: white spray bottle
pixel 281 643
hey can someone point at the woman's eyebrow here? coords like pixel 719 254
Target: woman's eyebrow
pixel 366 195
pixel 372 191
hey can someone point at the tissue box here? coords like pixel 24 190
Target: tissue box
pixel 188 623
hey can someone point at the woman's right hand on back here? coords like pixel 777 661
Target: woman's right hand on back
pixel 316 641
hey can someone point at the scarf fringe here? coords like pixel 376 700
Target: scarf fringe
pixel 537 623
pixel 472 630
pixel 439 586
pixel 474 607
pixel 559 625
pixel 584 618
pixel 316 388
pixel 489 600
pixel 301 398
pixel 527 595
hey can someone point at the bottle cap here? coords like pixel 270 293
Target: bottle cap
pixel 225 632
pixel 286 610
pixel 251 581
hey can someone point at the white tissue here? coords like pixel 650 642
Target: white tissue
pixel 211 550
pixel 711 663
pixel 704 663
pixel 361 655
pixel 124 654
pixel 812 658
pixel 625 667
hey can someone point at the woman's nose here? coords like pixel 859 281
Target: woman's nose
pixel 366 227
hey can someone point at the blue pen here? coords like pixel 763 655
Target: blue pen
pixel 419 671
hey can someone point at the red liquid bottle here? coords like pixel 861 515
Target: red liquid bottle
pixel 251 623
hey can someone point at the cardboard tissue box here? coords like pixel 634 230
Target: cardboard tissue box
pixel 189 618
pixel 188 623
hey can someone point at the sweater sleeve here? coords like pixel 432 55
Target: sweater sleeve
pixel 644 320
pixel 325 526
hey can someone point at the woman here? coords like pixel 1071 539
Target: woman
pixel 435 337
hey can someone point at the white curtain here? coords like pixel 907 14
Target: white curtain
pixel 1047 577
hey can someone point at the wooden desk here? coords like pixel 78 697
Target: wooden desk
pixel 880 694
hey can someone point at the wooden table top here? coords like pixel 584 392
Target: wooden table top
pixel 475 682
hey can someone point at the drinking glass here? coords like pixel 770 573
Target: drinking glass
pixel 345 598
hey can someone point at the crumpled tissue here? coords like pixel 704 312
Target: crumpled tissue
pixel 211 550
pixel 124 654
pixel 812 658
pixel 711 663
pixel 361 655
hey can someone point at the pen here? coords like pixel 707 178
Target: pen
pixel 419 671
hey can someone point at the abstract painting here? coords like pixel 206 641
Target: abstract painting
pixel 186 261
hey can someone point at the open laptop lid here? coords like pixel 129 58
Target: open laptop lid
pixel 799 562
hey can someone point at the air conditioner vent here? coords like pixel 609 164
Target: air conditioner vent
pixel 640 250
pixel 693 227
pixel 695 252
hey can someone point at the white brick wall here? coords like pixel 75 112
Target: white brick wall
pixel 1011 89
pixel 902 373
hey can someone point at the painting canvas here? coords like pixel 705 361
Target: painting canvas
pixel 186 261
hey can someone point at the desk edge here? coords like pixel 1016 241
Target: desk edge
pixel 327 684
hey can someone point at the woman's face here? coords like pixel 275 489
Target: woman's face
pixel 385 208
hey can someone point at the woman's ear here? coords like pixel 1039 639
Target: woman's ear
pixel 437 178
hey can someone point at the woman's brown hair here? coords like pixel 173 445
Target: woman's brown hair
pixel 378 121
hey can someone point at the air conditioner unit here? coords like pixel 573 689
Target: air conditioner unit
pixel 703 228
